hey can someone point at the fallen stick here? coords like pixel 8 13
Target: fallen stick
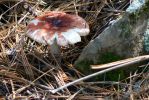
pixel 136 60
pixel 114 66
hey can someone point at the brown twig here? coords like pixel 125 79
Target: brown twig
pixel 142 58
pixel 125 61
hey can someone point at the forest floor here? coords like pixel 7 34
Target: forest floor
pixel 29 71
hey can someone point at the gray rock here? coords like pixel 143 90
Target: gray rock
pixel 123 38
pixel 135 5
pixel 146 38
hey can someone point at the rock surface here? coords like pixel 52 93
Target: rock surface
pixel 123 38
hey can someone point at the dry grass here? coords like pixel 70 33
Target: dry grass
pixel 28 70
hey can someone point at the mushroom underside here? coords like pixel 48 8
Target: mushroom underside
pixel 71 36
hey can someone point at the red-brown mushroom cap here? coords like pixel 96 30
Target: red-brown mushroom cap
pixel 65 28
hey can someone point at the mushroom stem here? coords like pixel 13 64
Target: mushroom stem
pixel 56 52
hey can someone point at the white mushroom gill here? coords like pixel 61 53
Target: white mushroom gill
pixel 62 41
pixel 71 36
pixel 82 32
pixel 35 35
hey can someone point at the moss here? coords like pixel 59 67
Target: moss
pixel 145 9
pixel 108 57
pixel 84 66
pixel 126 29
pixel 133 18
pixel 112 75
pixel 141 12
pixel 115 75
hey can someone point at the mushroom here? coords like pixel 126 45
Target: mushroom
pixel 57 28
